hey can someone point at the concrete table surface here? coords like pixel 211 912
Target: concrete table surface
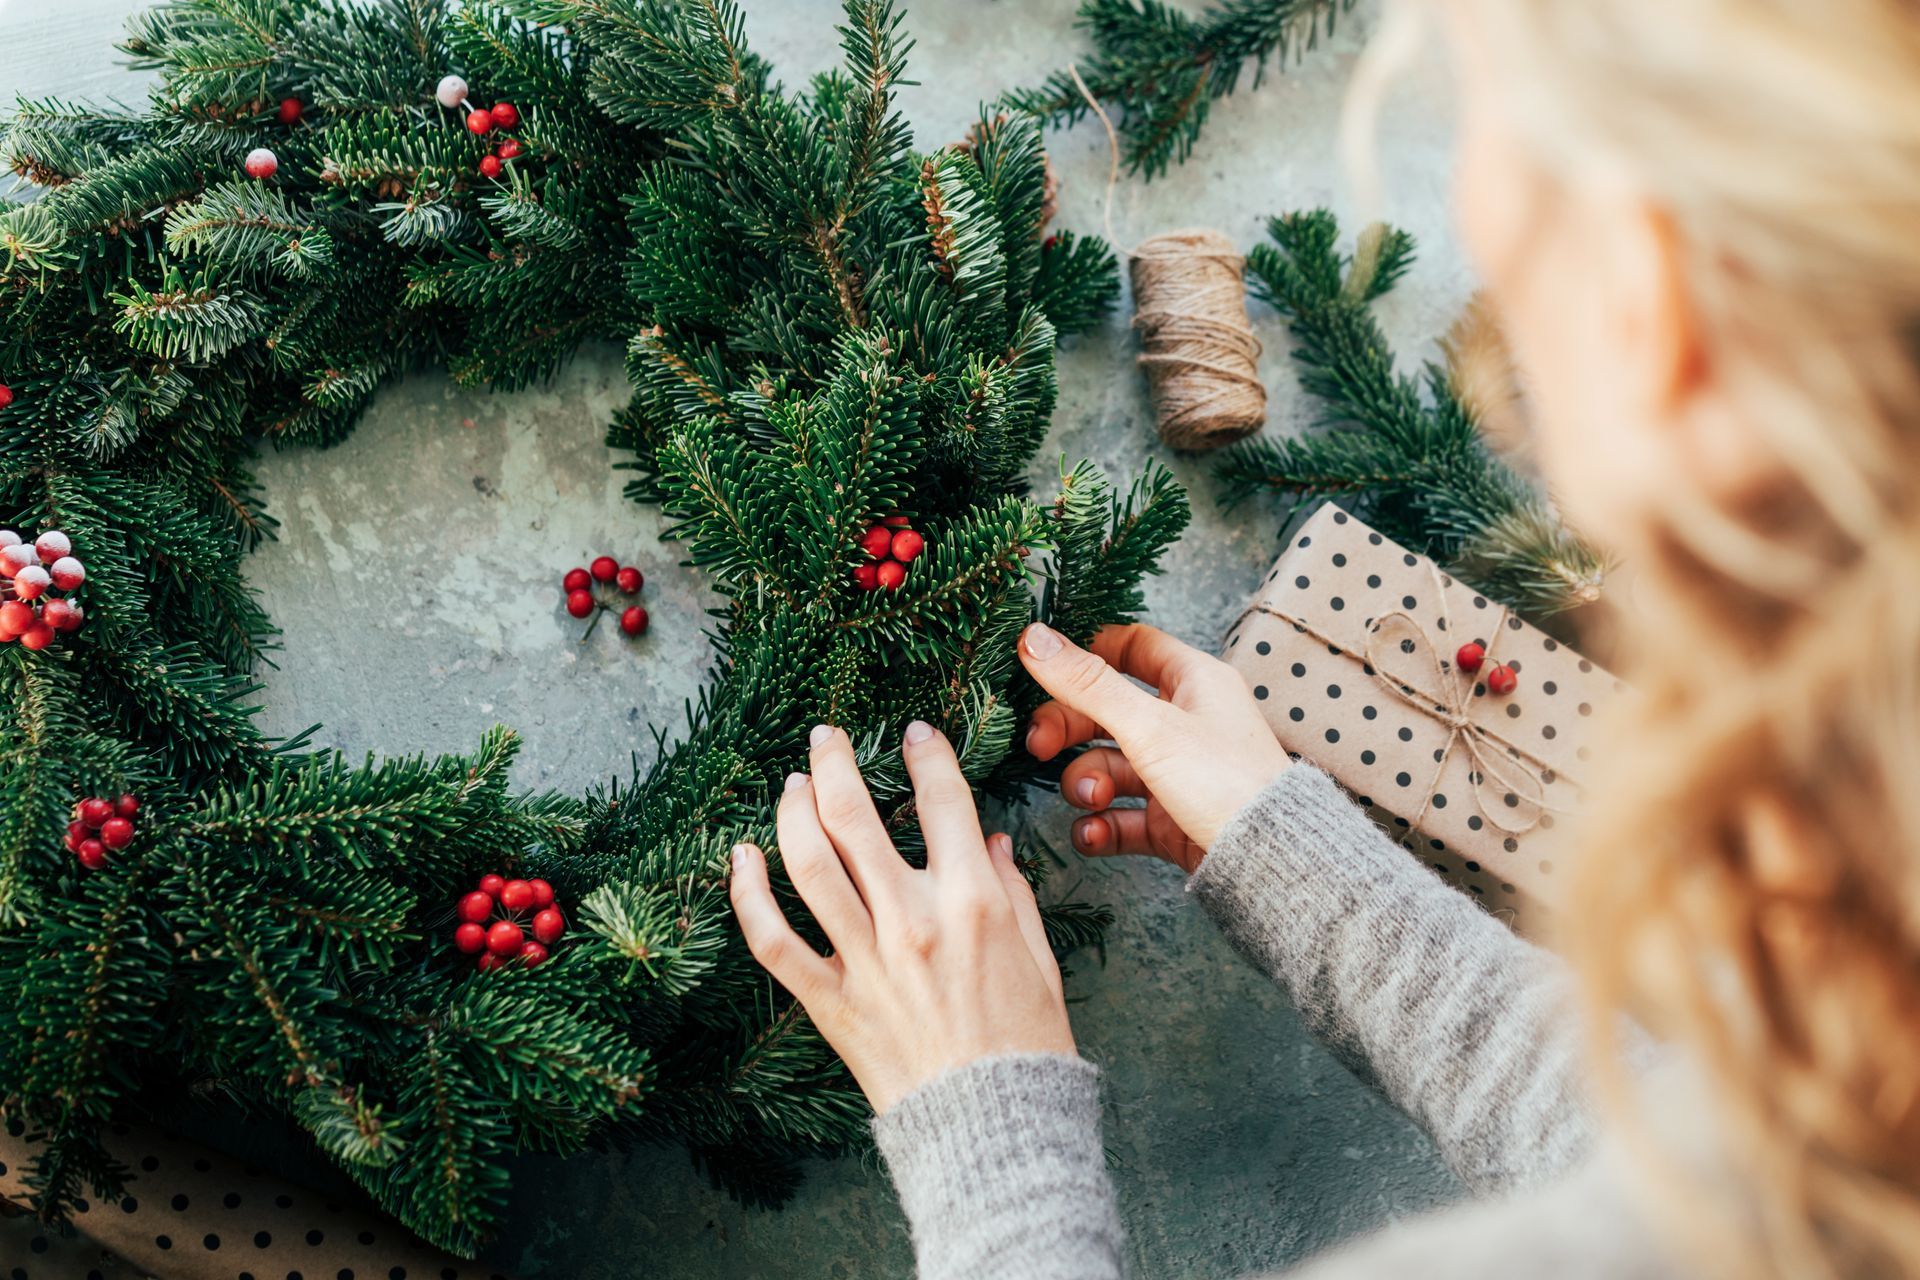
pixel 415 573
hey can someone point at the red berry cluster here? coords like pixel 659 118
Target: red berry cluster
pixel 892 546
pixel 1500 680
pixel 482 121
pixel 499 940
pixel 99 825
pixel 32 569
pixel 605 571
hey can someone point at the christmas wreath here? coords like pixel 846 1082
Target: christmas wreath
pixel 826 332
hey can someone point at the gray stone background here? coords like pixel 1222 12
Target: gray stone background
pixel 415 578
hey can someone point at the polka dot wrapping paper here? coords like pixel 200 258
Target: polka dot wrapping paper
pixel 188 1213
pixel 1350 649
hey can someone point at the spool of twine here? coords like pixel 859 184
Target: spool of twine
pixel 1197 345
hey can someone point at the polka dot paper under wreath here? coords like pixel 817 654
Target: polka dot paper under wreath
pixel 1465 729
pixel 193 1214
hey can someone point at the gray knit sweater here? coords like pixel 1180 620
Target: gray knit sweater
pixel 1464 1026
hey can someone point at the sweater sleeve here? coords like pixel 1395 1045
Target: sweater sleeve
pixel 999 1167
pixel 1464 1026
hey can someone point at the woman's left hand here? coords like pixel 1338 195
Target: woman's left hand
pixel 930 969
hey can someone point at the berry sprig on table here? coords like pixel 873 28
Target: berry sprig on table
pixel 100 826
pixel 29 612
pixel 491 922
pixel 586 589
pixel 892 546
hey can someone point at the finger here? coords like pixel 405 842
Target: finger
pixel 1026 911
pixel 851 822
pixel 948 817
pixel 1113 831
pixel 817 872
pixel 1147 653
pixel 1096 777
pixel 1055 726
pixel 1086 684
pixel 794 965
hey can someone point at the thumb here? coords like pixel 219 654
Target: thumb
pixel 1082 682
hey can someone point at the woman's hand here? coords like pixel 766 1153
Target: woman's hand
pixel 1198 752
pixel 930 969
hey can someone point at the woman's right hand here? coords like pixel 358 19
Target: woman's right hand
pixel 1197 753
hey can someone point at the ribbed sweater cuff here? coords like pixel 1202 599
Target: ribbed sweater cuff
pixel 999 1168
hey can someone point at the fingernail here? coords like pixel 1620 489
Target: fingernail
pixel 1001 843
pixel 1083 833
pixel 917 732
pixel 1084 789
pixel 821 732
pixel 1042 641
pixel 739 856
pixel 795 781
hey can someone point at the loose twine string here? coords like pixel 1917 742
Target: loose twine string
pixel 1197 345
pixel 1450 705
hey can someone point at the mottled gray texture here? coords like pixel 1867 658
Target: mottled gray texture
pixel 1467 1028
pixel 416 580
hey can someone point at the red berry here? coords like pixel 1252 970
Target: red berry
pixel 126 806
pixel 580 603
pixel 16 556
pixel 475 907
pixel 516 895
pixel 891 574
pixel 504 937
pixel 93 855
pixel 876 542
pixel 491 885
pixel 1502 680
pixel 907 546
pixel 95 812
pixel 576 580
pixel 36 637
pixel 32 582
pixel 491 961
pixel 542 894
pixel 116 833
pixel 76 832
pixel 1469 657
pixel 1051 241
pixel 895 522
pixel 629 579
pixel 866 577
pixel 261 163
pixel 489 166
pixel 510 147
pixel 480 122
pixel 470 938
pixel 604 568
pixel 52 544
pixel 61 615
pixel 548 925
pixel 289 112
pixel 15 617
pixel 506 115
pixel 633 620
pixel 6 395
pixel 67 573
pixel 532 954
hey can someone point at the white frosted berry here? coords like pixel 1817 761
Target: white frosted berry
pixel 31 582
pixel 8 538
pixel 450 92
pixel 17 557
pixel 68 573
pixel 52 545
pixel 262 163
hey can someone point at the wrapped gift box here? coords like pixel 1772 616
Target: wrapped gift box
pixel 1349 646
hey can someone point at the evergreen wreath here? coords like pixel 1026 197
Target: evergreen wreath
pixel 823 329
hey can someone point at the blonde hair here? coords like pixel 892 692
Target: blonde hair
pixel 1753 887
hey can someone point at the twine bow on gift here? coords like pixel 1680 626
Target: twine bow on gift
pixel 1522 777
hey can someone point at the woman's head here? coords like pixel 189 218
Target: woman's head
pixel 1700 222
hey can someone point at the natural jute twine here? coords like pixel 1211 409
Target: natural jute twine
pixel 1196 343
pixel 1190 306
